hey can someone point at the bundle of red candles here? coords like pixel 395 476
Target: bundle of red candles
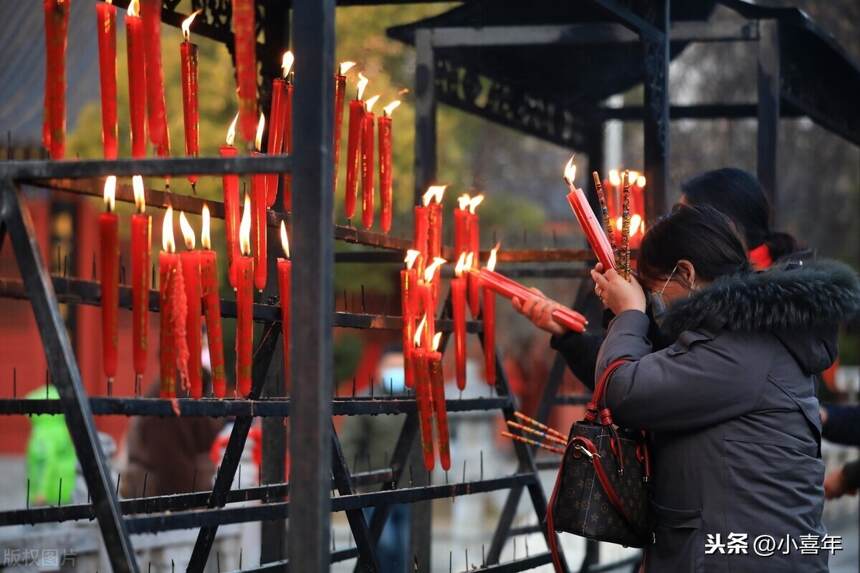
pixel 430 396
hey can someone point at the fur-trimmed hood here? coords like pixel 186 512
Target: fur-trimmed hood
pixel 801 303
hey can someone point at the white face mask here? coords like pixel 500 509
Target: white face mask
pixel 658 303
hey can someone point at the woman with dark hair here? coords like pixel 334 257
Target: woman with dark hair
pixel 730 403
pixel 740 197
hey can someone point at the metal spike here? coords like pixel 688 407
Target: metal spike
pixel 526 542
pixel 218 560
pixel 172 566
pixel 450 561
pixel 467 559
pixel 149 567
pixel 353 386
pixel 121 271
pixel 66 265
pixel 118 480
pixel 14 382
pixel 152 274
pixel 27 500
pixel 464 471
pixel 515 548
pixel 411 480
pixel 483 556
pixel 240 558
pixel 145 478
pixel 363 300
pixel 240 479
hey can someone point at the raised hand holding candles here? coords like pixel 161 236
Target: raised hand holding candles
pixel 259 226
pixel 190 114
pixel 367 122
pixel 155 105
pixel 106 32
pixel 386 186
pixel 109 258
pixel 458 306
pixel 56 33
pixel 193 296
pixel 244 303
pixel 286 121
pixel 437 386
pixel 174 348
pixel 353 146
pixel 212 307
pixel 285 279
pixel 423 394
pixel 230 184
pixel 136 79
pixel 339 92
pixel 587 220
pixel 245 45
pixel 409 312
pixel 141 232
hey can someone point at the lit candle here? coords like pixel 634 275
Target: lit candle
pixel 244 303
pixel 353 146
pixel 136 79
pixel 386 185
pixel 109 251
pixel 174 348
pixel 106 32
pixel 420 227
pixel 437 386
pixel 423 395
pixel 212 307
pixel 461 225
pixel 155 105
pixel 245 45
pixel 275 143
pixel 427 296
pixel 458 307
pixel 285 277
pixel 489 319
pixel 141 234
pixel 367 123
pixel 56 37
pixel 434 215
pixel 408 312
pixel 287 122
pixel 475 249
pixel 190 113
pixel 587 220
pixel 230 185
pixel 259 225
pixel 193 296
pixel 339 92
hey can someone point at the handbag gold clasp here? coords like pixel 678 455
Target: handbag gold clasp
pixel 585 451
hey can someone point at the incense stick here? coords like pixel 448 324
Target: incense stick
pixel 625 225
pixel 543 427
pixel 532 443
pixel 604 211
pixel 543 435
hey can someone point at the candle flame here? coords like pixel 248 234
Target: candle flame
pixel 470 260
pixel 430 271
pixel 245 228
pixel 168 245
pixel 614 178
pixel 437 338
pixel 570 171
pixel 231 131
pixel 389 109
pixel 463 201
pixel 362 83
pixel 186 25
pixel 345 67
pixel 461 265
pixel 419 330
pixel 475 202
pixel 287 62
pixel 368 105
pixel 134 8
pixel 635 221
pixel 640 181
pixel 285 240
pixel 261 127
pixel 491 262
pixel 205 234
pixel 187 232
pixel 110 193
pixel 411 256
pixel 110 2
pixel 139 195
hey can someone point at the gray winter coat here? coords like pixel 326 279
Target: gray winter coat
pixel 733 415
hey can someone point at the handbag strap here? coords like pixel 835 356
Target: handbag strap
pixel 591 410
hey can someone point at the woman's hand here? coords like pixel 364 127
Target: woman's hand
pixel 617 293
pixel 538 309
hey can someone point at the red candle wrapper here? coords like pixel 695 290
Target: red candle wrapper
pixel 109 268
pixel 458 307
pixel 489 319
pixel 214 333
pixel 339 92
pixel 287 115
pixel 437 385
pixel 408 278
pixel 150 12
pixel 424 397
pixel 56 38
pixel 141 233
pixel 353 154
pixel 386 185
pixel 136 83
pixel 367 184
pixel 244 323
pixel 259 227
pixel 106 31
pixel 169 269
pixel 275 143
pixel 245 45
pixel 285 269
pixel 190 113
pixel 230 186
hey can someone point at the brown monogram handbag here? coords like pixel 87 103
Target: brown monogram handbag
pixel 601 491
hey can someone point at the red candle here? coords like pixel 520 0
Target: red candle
pixel 106 31
pixel 56 32
pixel 259 224
pixel 141 233
pixel 109 251
pixel 285 274
pixel 288 145
pixel 408 312
pixel 173 345
pixel 353 146
pixel 461 225
pixel 437 386
pixel 244 303
pixel 419 240
pixel 489 319
pixel 587 220
pixel 136 79
pixel 275 142
pixel 475 248
pixel 230 186
pixel 458 306
pixel 386 187
pixel 156 112
pixel 424 397
pixel 367 122
pixel 191 263
pixel 339 92
pixel 434 215
pixel 212 307
pixel 245 45
pixel 190 114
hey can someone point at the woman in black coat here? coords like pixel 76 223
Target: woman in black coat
pixel 730 402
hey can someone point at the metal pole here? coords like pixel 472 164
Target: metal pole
pixel 768 107
pixel 656 120
pixel 312 321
